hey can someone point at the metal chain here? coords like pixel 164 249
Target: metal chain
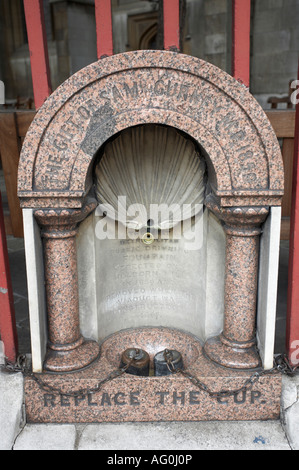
pixel 281 364
pixel 20 366
pixel 82 391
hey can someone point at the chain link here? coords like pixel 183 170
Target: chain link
pixel 82 391
pixel 281 365
pixel 18 366
pixel 21 366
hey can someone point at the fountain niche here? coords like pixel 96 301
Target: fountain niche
pixel 151 185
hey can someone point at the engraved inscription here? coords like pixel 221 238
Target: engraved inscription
pixel 152 285
pixel 161 87
pixel 97 106
pixel 135 398
pixel 245 159
pixel 66 133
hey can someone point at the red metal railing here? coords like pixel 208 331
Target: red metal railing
pixel 292 334
pixel 171 21
pixel 241 40
pixel 8 328
pixel 240 70
pixel 104 28
pixel 37 40
pixel 171 14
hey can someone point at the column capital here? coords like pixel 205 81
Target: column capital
pixel 239 221
pixel 63 223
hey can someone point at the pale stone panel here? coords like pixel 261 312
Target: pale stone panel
pixel 86 261
pixel 36 289
pixel 173 283
pixel 267 288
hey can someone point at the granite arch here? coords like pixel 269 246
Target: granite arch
pixel 150 87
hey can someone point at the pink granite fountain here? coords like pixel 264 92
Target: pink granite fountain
pixel 228 138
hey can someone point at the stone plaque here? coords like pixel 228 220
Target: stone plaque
pixel 124 283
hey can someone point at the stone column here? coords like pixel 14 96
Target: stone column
pixel 67 349
pixel 236 346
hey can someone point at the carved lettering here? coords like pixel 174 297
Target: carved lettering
pixel 79 399
pixel 250 178
pixel 73 125
pixel 176 91
pixel 106 399
pixel 59 144
pixel 159 87
pixel 62 140
pixel 104 95
pixel 240 398
pixel 55 160
pixel 255 395
pixel 245 156
pixel 131 92
pixel 89 400
pixel 193 398
pixel 83 112
pixel 64 400
pixel 134 398
pixel 52 171
pixel 172 88
pixel 119 398
pixel 184 91
pixel 195 97
pixel 162 398
pixel 178 398
pixel 238 136
pixel 49 400
pixel 116 93
pixel 231 127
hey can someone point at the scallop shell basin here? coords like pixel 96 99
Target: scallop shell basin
pixel 150 172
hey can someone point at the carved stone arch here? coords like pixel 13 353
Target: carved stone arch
pixel 215 157
pixel 150 87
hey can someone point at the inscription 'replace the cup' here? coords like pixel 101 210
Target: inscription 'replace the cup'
pixel 162 398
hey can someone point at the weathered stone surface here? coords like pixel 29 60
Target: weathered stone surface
pixel 159 87
pixel 167 398
pixel 290 409
pixel 46 437
pixel 11 393
pixel 254 435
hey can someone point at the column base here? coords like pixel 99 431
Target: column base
pixel 235 356
pixel 131 398
pixel 69 360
